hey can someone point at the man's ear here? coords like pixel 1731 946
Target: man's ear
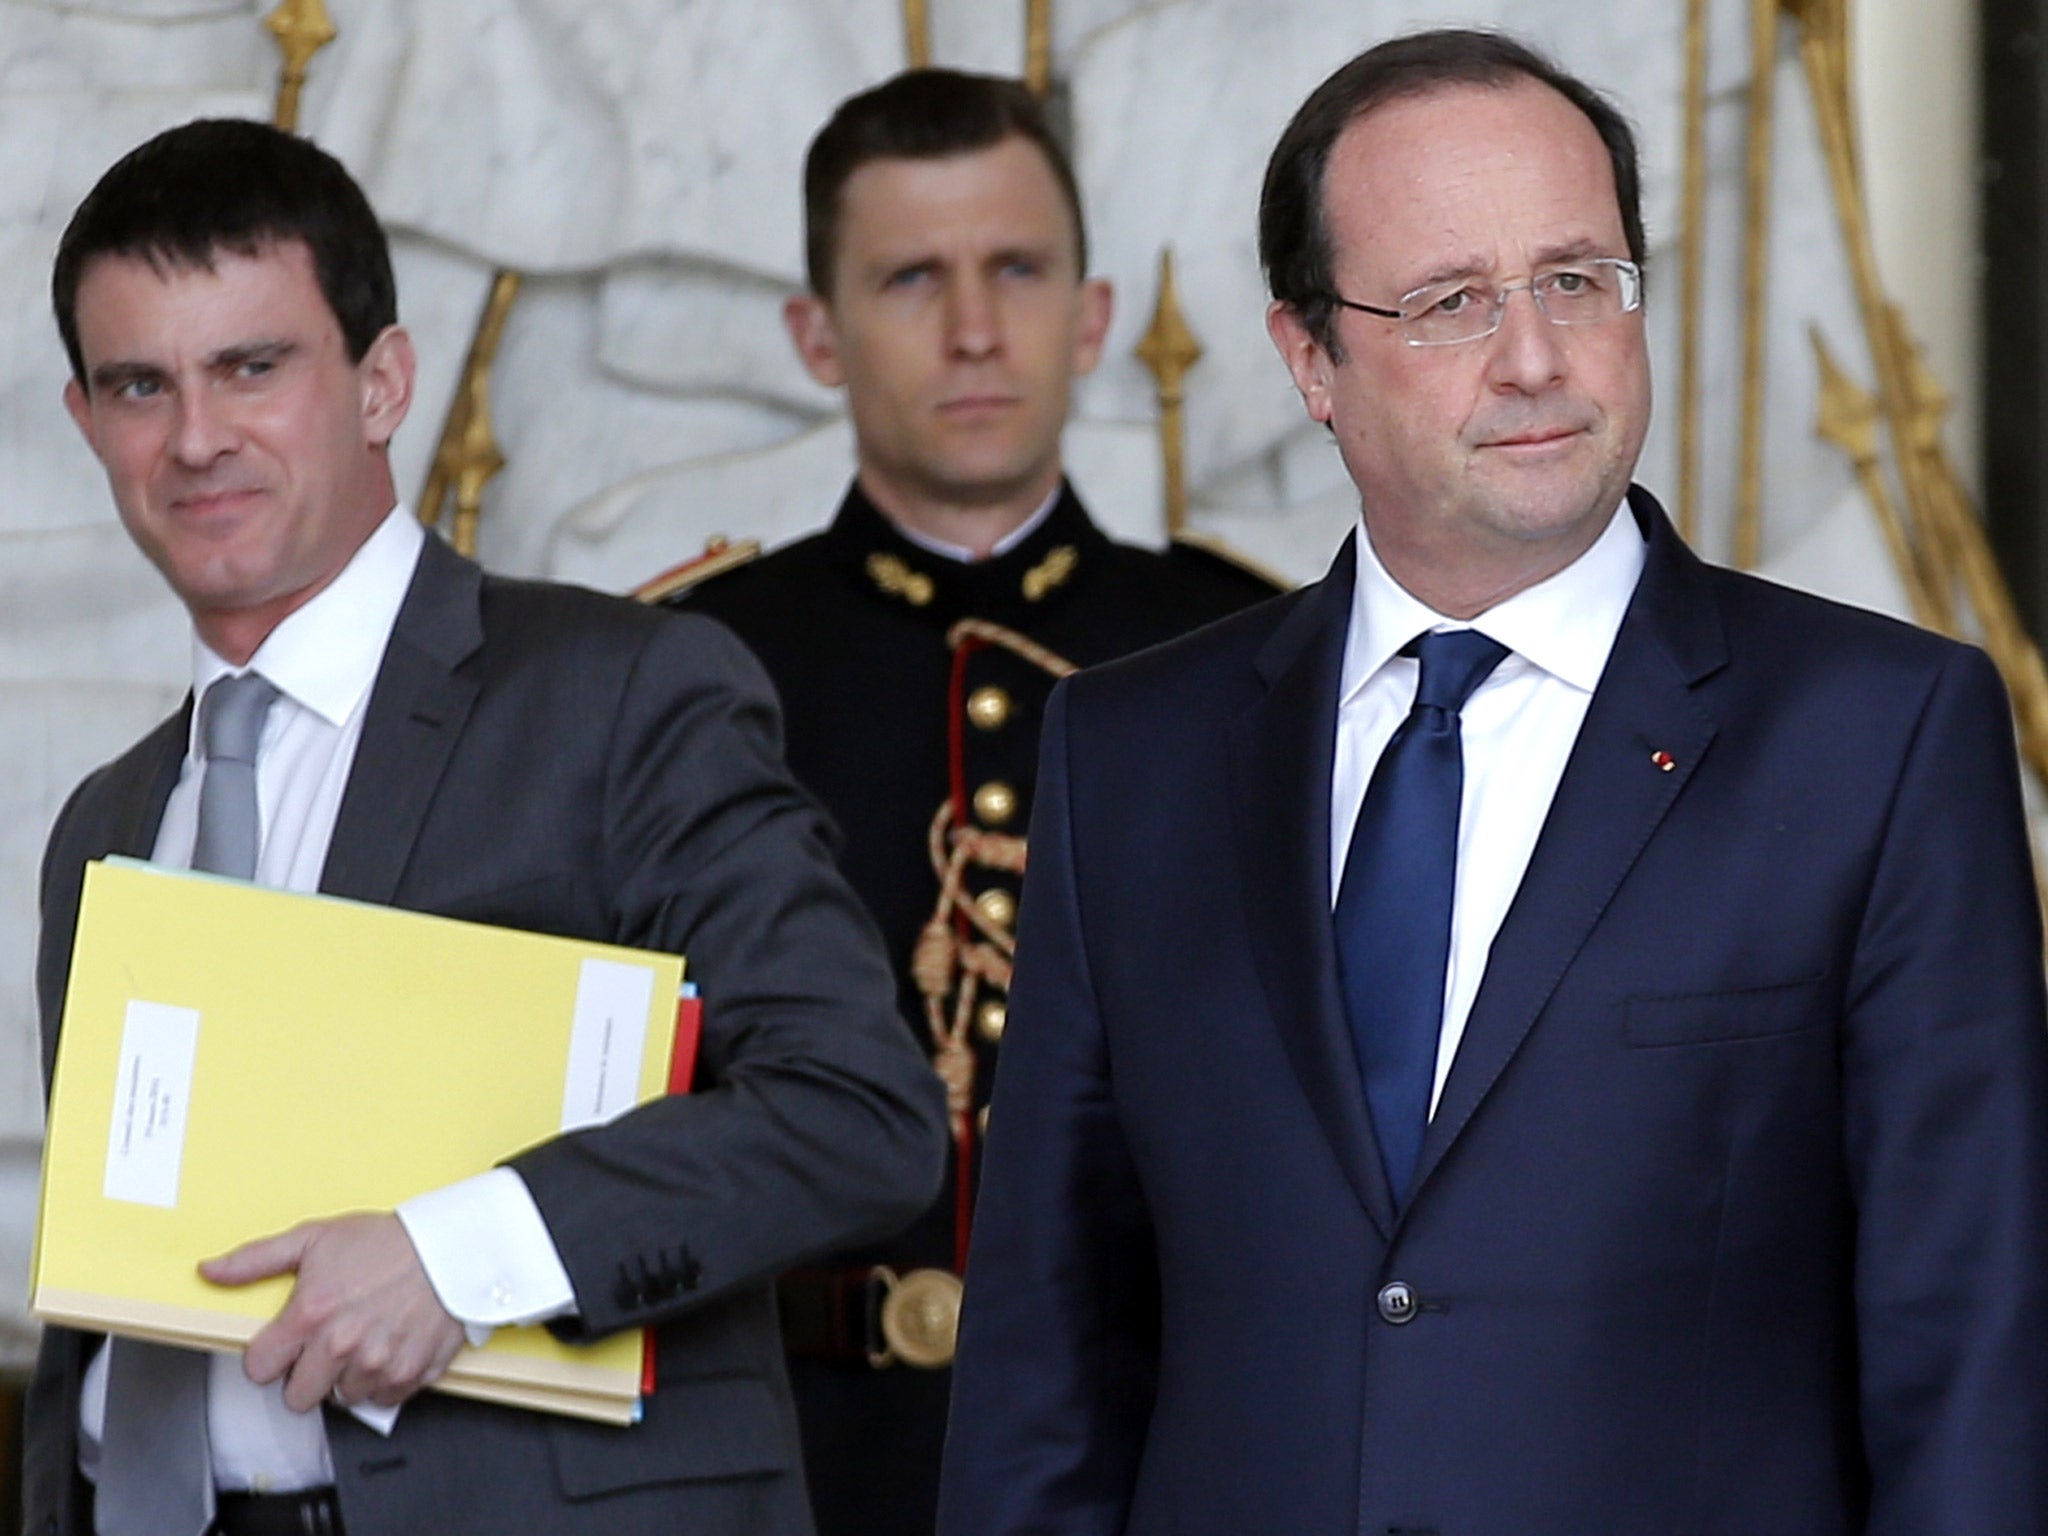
pixel 1098 304
pixel 387 372
pixel 1306 358
pixel 808 319
pixel 79 404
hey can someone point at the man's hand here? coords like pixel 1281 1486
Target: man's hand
pixel 362 1324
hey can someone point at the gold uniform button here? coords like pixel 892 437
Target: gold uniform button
pixel 989 707
pixel 995 803
pixel 997 906
pixel 990 1020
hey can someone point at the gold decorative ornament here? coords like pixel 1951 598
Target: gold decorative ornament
pixel 917 33
pixel 921 1317
pixel 1848 419
pixel 989 708
pixel 1169 349
pixel 1948 536
pixel 1692 277
pixel 301 29
pixel 1756 232
pixel 1050 572
pixel 898 580
pixel 1038 47
pixel 995 802
pixel 468 455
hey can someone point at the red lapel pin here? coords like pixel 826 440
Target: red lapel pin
pixel 1664 761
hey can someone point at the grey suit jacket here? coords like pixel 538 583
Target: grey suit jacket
pixel 546 758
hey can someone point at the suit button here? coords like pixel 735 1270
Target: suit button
pixel 989 708
pixel 1397 1302
pixel 995 803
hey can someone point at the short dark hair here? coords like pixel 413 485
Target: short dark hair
pixel 1294 232
pixel 231 184
pixel 922 114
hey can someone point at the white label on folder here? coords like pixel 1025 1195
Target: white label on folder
pixel 146 1143
pixel 606 1042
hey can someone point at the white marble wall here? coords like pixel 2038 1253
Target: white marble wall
pixel 640 159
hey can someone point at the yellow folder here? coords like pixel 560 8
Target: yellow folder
pixel 236 1059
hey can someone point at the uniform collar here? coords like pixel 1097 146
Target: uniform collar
pixel 1037 574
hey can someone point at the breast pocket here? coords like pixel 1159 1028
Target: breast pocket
pixel 1740 1013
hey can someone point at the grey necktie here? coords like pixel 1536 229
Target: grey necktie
pixel 156 1464
pixel 230 725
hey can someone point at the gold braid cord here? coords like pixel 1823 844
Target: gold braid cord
pixel 949 961
pixel 963 950
pixel 1010 640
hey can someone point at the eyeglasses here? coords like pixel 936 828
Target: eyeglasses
pixel 1577 293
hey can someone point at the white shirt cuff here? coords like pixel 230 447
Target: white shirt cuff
pixel 487 1253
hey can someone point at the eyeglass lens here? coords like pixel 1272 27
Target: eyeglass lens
pixel 1583 293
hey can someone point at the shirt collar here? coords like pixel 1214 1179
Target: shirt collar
pixel 1565 624
pixel 1003 546
pixel 324 655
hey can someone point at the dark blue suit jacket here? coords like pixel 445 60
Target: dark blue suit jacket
pixel 1733 1217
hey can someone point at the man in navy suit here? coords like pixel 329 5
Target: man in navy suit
pixel 1710 1198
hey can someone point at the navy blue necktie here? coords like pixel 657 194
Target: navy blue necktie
pixel 1393 916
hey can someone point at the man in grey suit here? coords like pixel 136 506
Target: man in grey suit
pixel 516 753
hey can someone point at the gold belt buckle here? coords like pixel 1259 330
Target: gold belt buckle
pixel 920 1314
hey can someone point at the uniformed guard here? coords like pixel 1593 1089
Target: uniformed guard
pixel 914 642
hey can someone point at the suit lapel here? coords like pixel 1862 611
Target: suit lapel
pixel 416 713
pixel 1609 803
pixel 1280 757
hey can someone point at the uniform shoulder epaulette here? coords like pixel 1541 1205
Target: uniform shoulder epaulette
pixel 720 555
pixel 1206 548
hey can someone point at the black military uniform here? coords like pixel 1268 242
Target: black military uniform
pixel 912 683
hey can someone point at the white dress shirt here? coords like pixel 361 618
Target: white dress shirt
pixel 1519 727
pixel 483 1243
